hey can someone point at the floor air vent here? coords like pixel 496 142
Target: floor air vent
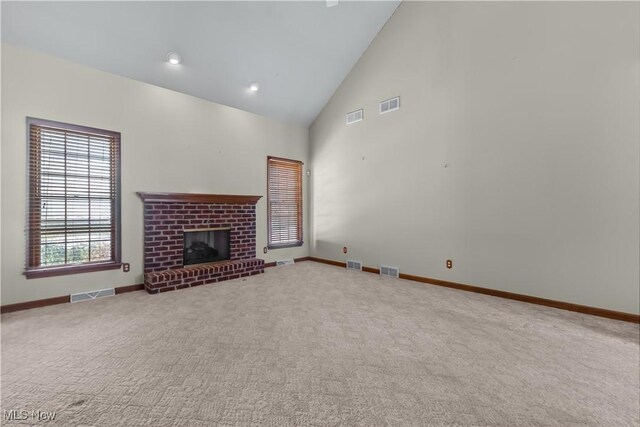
pixel 285 262
pixel 354 265
pixel 87 296
pixel 388 271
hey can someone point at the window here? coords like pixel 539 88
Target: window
pixel 284 199
pixel 74 199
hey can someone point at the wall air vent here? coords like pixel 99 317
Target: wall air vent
pixel 389 271
pixel 390 105
pixel 87 296
pixel 354 116
pixel 285 262
pixel 354 265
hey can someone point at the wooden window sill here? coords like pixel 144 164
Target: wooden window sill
pixel 285 245
pixel 71 269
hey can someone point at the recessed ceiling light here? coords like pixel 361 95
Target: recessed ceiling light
pixel 254 87
pixel 173 58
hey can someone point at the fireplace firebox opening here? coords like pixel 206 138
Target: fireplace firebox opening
pixel 208 245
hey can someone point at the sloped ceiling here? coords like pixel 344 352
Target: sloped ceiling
pixel 299 52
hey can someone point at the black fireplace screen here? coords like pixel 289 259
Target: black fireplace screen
pixel 202 246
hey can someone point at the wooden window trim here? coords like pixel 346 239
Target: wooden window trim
pixel 88 267
pixel 300 241
pixel 285 245
pixel 33 222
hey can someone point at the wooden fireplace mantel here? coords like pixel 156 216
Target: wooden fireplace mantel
pixel 197 197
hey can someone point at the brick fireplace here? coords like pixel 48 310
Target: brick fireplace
pixel 168 217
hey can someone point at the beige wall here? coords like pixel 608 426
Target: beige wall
pixel 170 142
pixel 535 109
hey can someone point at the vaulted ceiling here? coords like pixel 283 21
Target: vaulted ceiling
pixel 299 52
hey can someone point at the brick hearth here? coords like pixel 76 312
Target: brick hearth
pixel 168 215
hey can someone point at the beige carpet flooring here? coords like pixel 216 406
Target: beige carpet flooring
pixel 317 345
